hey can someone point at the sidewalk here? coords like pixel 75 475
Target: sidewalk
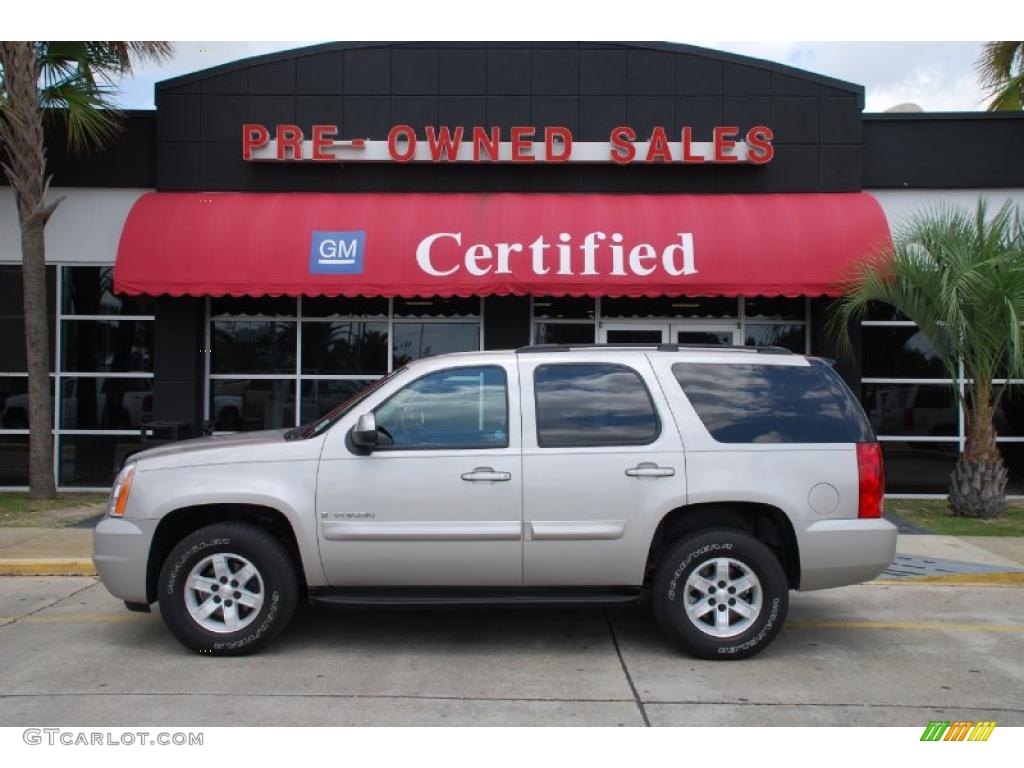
pixel 68 551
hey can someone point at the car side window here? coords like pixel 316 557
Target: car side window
pixel 592 404
pixel 454 408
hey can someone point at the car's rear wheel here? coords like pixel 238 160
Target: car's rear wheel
pixel 720 594
pixel 227 589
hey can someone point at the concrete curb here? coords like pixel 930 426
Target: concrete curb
pixel 1012 579
pixel 50 567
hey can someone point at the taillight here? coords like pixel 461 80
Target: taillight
pixel 871 479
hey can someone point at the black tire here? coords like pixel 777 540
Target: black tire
pixel 669 594
pixel 274 568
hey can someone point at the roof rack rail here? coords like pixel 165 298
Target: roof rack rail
pixel 659 347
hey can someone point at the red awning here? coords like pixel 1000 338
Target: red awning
pixel 347 244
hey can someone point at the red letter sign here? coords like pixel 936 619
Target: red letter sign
pixel 759 145
pixel 323 137
pixel 622 139
pixel 550 134
pixel 722 144
pixel 522 145
pixel 443 144
pixel 402 132
pixel 289 137
pixel 658 148
pixel 254 136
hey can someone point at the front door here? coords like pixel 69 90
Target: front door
pixel 439 502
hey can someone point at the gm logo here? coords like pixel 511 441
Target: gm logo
pixel 337 253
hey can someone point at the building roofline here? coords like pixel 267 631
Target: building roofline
pixel 734 58
pixel 926 116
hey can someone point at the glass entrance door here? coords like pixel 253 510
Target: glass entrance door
pixel 659 332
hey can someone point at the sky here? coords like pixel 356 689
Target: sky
pixel 938 76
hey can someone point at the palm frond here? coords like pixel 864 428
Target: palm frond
pixel 959 275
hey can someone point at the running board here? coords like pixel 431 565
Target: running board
pixel 480 596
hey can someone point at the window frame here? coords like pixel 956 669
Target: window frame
pixel 620 444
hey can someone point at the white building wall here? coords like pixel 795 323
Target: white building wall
pixel 85 228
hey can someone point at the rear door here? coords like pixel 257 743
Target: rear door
pixel 602 462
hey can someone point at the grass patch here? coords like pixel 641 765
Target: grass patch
pixel 18 510
pixel 934 515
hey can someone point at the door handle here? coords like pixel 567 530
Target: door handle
pixel 650 469
pixel 486 475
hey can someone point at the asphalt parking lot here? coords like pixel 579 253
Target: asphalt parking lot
pixel 865 655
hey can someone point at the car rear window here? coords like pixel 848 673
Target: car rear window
pixel 773 403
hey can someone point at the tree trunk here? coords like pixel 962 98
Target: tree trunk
pixel 977 487
pixel 26 170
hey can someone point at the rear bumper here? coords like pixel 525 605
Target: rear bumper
pixel 121 555
pixel 834 553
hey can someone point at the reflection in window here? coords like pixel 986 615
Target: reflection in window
pixel 911 409
pixel 105 403
pixel 107 345
pixel 252 404
pixel 344 347
pixel 591 404
pixel 899 352
pixel 319 396
pixel 253 347
pixel 791 337
pixel 922 467
pixel 564 307
pixel 453 408
pixel 670 306
pixel 564 333
pixel 772 403
pixel 415 340
pixel 90 291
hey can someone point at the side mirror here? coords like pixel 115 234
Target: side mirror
pixel 364 433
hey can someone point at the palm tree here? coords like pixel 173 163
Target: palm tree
pixel 1001 70
pixel 960 276
pixel 70 83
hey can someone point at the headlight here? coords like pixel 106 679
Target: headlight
pixel 119 493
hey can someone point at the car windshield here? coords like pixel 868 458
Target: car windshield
pixel 325 421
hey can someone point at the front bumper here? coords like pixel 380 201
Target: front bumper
pixel 121 556
pixel 834 553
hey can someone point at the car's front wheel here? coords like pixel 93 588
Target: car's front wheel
pixel 720 594
pixel 227 589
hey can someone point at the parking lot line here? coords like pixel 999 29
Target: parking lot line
pixel 913 625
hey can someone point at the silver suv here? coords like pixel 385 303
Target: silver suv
pixel 709 481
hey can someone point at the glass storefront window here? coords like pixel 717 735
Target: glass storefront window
pixel 436 306
pixel 344 347
pixel 99 346
pixel 415 340
pixel 775 308
pixel 329 306
pixel 1013 455
pixel 918 467
pixel 563 308
pixel 13 460
pixel 92 461
pixel 927 410
pixel 252 404
pixel 899 352
pixel 1009 416
pixel 253 306
pixel 792 337
pixel 319 396
pixel 253 347
pixel 564 333
pixel 105 403
pixel 90 291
